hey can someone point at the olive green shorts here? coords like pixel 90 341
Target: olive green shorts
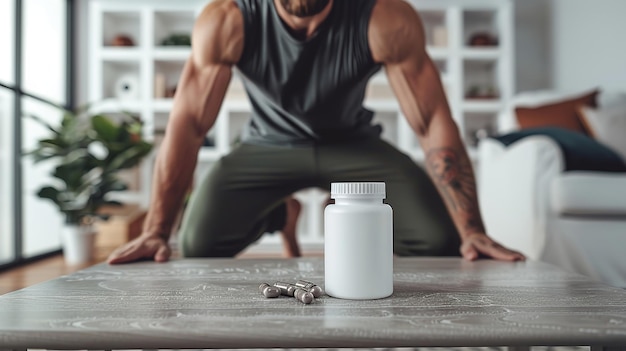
pixel 240 198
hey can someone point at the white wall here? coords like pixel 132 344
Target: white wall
pixel 533 49
pixel 589 44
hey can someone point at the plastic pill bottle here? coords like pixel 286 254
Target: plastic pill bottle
pixel 358 242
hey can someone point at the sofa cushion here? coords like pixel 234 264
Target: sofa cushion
pixel 607 125
pixel 589 194
pixel 562 114
pixel 580 152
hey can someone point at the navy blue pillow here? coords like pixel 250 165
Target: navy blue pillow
pixel 581 152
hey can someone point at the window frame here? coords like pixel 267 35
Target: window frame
pixel 18 95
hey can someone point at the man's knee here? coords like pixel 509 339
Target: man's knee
pixel 218 239
pixel 191 248
pixel 443 244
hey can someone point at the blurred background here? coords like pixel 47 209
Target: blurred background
pixel 126 56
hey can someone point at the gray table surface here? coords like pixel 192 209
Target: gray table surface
pixel 215 303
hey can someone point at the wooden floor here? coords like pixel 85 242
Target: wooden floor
pixel 53 267
pixel 40 271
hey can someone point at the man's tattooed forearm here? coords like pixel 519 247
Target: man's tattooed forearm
pixel 455 178
pixel 473 223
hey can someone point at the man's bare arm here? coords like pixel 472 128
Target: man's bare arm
pixel 400 46
pixel 217 45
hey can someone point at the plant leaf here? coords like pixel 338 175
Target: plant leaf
pixel 105 129
pixel 50 193
pixel 130 157
pixel 42 122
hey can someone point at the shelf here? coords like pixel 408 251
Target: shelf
pixel 121 80
pixel 163 105
pixel 172 53
pixel 116 106
pixel 436 53
pixel 382 105
pixel 167 23
pixel 111 53
pixel 436 26
pixel 379 78
pixel 481 26
pixel 481 53
pixel 236 105
pixel 166 76
pixel 208 154
pixel 486 105
pixel 479 125
pixel 125 24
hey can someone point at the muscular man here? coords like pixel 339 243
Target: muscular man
pixel 305 65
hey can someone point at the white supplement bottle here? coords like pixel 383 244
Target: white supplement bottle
pixel 358 242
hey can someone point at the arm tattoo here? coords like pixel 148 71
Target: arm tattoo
pixel 454 177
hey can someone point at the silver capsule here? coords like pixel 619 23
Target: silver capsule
pixel 303 296
pixel 269 291
pixel 311 287
pixel 286 289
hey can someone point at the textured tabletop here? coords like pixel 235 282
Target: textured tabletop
pixel 215 303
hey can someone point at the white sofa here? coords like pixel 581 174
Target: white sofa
pixel 575 220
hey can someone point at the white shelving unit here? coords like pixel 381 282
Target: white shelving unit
pixel 146 23
pixel 479 79
pixel 449 26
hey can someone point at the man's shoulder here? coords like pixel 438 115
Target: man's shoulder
pixel 219 13
pixel 217 28
pixel 391 16
pixel 394 25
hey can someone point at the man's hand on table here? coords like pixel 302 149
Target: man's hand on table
pixel 143 247
pixel 478 245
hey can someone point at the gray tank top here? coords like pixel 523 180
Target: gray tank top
pixel 305 92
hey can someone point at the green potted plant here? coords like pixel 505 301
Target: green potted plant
pixel 89 150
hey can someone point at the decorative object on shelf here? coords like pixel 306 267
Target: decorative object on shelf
pixel 478 92
pixel 483 39
pixel 127 87
pixel 177 40
pixel 160 86
pixel 481 133
pixel 89 150
pixel 170 92
pixel 122 40
pixel 440 36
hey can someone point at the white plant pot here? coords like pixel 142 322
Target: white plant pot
pixel 78 243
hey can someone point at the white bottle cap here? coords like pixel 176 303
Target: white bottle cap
pixel 362 190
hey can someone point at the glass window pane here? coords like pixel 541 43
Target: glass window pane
pixel 44 74
pixel 7 41
pixel 6 177
pixel 44 44
pixel 41 220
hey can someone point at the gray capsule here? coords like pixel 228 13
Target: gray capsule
pixel 269 291
pixel 311 287
pixel 286 289
pixel 303 296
